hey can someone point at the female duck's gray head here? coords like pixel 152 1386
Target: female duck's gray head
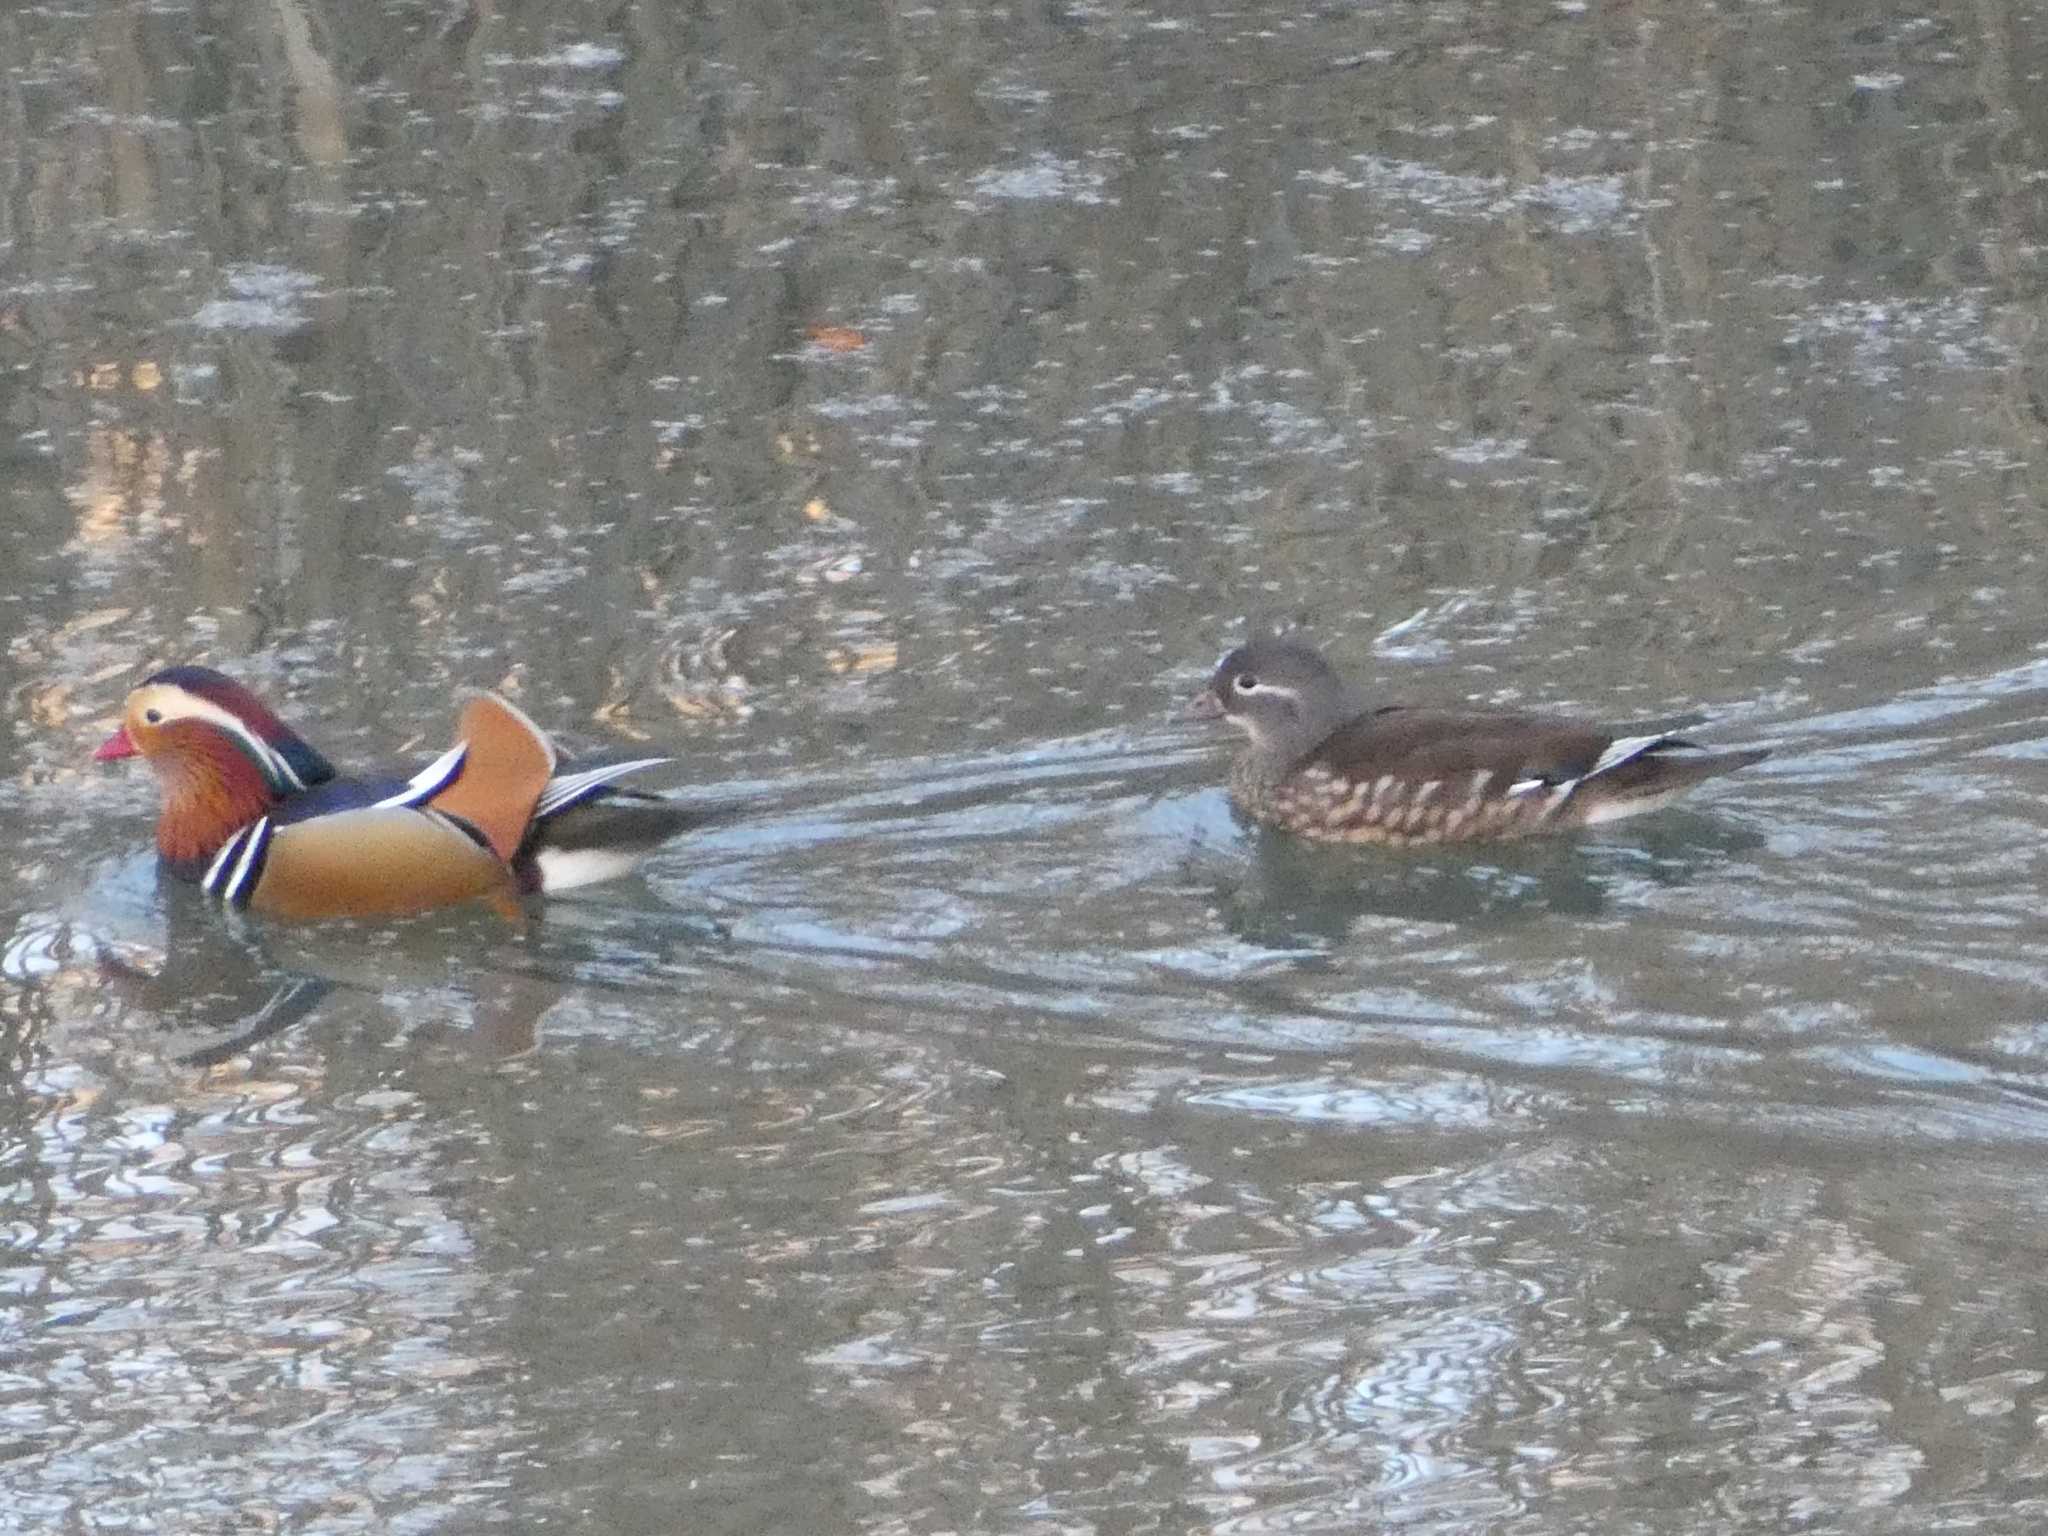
pixel 1280 693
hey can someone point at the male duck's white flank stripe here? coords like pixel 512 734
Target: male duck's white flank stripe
pixel 242 883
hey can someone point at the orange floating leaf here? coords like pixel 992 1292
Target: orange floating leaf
pixel 837 338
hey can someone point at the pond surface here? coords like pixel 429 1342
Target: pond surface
pixel 891 412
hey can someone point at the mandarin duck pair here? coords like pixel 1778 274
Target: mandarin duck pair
pixel 261 820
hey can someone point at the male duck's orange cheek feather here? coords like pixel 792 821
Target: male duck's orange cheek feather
pixel 210 790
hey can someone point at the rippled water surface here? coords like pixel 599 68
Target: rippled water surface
pixel 891 411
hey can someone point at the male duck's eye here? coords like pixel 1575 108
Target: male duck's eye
pixel 153 716
pixel 1246 682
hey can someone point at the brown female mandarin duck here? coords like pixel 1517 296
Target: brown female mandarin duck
pixel 1323 765
pixel 259 818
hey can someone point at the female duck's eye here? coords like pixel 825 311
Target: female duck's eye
pixel 1246 682
pixel 153 716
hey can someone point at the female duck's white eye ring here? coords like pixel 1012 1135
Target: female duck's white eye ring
pixel 1245 682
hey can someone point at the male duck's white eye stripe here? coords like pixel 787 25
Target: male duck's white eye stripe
pixel 1527 786
pixel 430 780
pixel 268 758
pixel 280 767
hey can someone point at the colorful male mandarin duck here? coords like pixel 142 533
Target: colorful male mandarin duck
pixel 1325 766
pixel 260 819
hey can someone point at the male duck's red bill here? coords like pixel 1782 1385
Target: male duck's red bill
pixel 256 815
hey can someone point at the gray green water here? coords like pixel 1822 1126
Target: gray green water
pixel 989 1134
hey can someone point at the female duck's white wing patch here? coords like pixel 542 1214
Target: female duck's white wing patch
pixel 1625 749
